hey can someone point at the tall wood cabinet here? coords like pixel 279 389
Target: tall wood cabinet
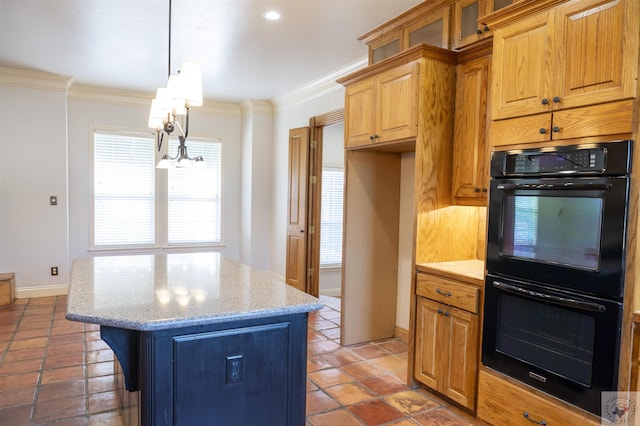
pixel 426 74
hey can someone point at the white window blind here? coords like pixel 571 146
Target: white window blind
pixel 193 210
pixel 331 216
pixel 124 189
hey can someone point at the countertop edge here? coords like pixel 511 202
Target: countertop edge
pixel 195 321
pixel 470 271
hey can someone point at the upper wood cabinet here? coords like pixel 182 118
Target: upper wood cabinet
pixel 467 27
pixel 383 107
pixel 582 52
pixel 470 177
pixel 428 22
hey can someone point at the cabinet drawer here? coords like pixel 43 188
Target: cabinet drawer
pixel 606 119
pixel 520 130
pixel 500 402
pixel 460 295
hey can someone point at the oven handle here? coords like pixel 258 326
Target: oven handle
pixel 552 186
pixel 564 301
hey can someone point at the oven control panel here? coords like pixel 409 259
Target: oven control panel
pixel 610 158
pixel 556 162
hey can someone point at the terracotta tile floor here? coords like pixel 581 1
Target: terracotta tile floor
pixel 54 371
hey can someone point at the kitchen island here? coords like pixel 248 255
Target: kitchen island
pixel 202 338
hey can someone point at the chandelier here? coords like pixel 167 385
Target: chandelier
pixel 183 91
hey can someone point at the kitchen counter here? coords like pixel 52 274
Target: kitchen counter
pixel 156 292
pixel 469 271
pixel 199 337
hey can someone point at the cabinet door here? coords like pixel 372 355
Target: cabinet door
pixel 599 53
pixel 469 186
pixel 359 113
pixel 459 381
pixel 396 104
pixel 522 56
pixel 432 29
pixel 429 356
pixel 466 29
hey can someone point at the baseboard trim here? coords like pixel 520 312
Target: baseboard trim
pixel 402 334
pixel 333 292
pixel 42 291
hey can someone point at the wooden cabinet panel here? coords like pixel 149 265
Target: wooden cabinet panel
pixel 501 402
pixel 429 358
pixel 396 104
pixel 382 108
pixel 599 56
pixel 579 53
pixel 460 378
pixel 521 56
pixel 614 118
pixel 469 180
pixel 360 113
pixel 456 294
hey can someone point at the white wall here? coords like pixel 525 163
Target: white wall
pixel 33 166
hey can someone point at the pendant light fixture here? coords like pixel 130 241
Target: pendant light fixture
pixel 183 91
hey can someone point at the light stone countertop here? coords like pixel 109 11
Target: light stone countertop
pixel 156 292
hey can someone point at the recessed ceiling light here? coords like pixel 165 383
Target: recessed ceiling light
pixel 272 15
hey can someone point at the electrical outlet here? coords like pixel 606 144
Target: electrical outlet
pixel 234 369
pixel 54 270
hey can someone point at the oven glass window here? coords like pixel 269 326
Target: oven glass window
pixel 563 230
pixel 554 339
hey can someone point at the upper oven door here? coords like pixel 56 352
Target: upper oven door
pixel 568 232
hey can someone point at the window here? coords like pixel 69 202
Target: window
pixel 137 205
pixel 331 216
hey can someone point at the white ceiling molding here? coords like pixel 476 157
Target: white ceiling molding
pixel 34 79
pixel 318 88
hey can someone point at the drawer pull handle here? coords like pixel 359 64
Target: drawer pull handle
pixel 526 416
pixel 444 293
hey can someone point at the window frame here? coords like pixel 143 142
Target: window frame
pixel 161 177
pixel 336 265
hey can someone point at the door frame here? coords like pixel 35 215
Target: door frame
pixel 314 195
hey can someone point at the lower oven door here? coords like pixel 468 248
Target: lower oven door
pixel 565 344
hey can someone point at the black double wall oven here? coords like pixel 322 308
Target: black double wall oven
pixel 557 222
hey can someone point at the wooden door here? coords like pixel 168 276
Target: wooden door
pixel 397 104
pixel 296 268
pixel 598 42
pixel 469 146
pixel 459 379
pixel 428 356
pixel 359 113
pixel 522 56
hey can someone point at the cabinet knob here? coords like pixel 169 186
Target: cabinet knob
pixel 446 314
pixel 440 311
pixel 543 130
pixel 476 189
pixel 556 99
pixel 484 189
pixel 371 137
pixel 556 129
pixel 479 31
pixel 486 28
pixel 545 101
pixel 444 293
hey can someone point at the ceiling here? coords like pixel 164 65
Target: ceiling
pixel 123 44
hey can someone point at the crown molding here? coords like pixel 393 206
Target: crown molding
pixel 34 79
pixel 129 97
pixel 254 105
pixel 319 87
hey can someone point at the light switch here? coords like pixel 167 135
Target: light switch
pixel 234 369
